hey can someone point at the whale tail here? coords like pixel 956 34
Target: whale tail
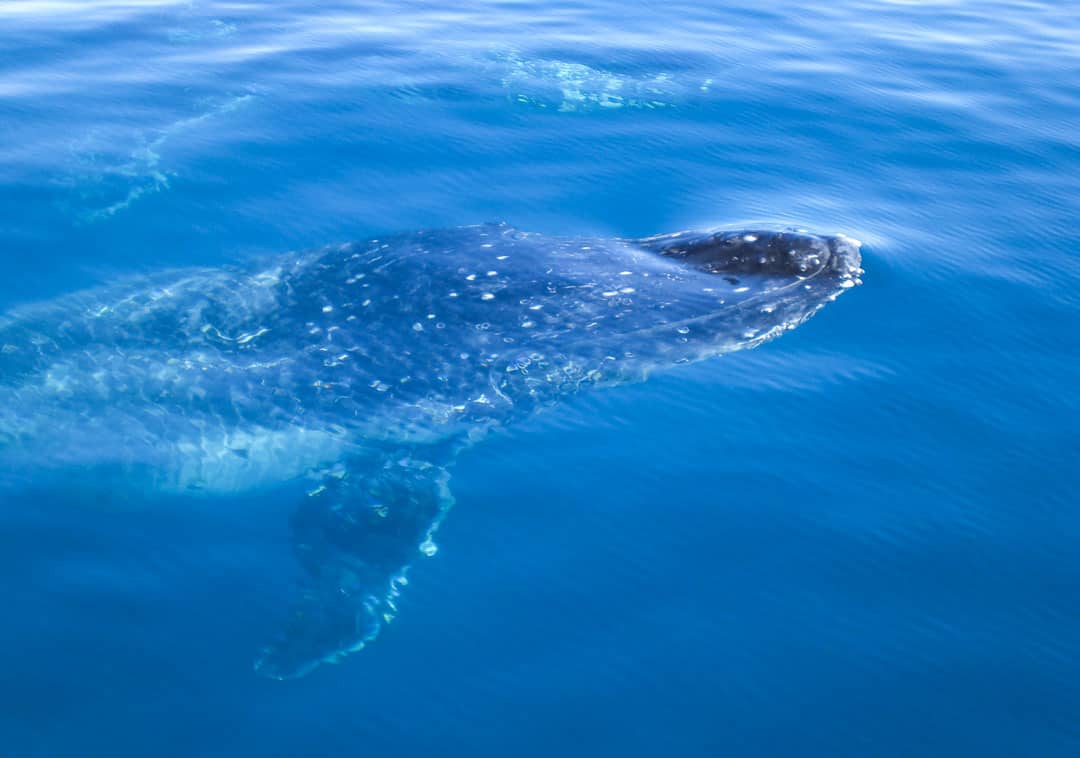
pixel 355 536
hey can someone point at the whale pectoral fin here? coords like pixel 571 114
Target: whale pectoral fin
pixel 355 537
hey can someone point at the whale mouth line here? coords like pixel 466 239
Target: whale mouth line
pixel 749 302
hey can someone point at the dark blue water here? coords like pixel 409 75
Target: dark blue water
pixel 858 540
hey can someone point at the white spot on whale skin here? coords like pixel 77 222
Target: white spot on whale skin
pixel 471 278
pixel 750 238
pixel 742 289
pixel 487 296
pixel 492 273
pixel 327 308
pixel 847 284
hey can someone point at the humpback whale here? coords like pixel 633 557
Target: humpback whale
pixel 361 370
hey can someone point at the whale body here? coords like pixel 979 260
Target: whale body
pixel 363 369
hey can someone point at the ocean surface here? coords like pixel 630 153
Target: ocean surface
pixel 860 539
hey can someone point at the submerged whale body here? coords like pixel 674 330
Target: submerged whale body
pixel 365 368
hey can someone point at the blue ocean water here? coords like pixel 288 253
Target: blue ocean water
pixel 859 539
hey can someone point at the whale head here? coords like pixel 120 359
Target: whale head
pixel 709 293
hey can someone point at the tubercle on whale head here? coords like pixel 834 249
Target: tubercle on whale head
pixel 787 252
